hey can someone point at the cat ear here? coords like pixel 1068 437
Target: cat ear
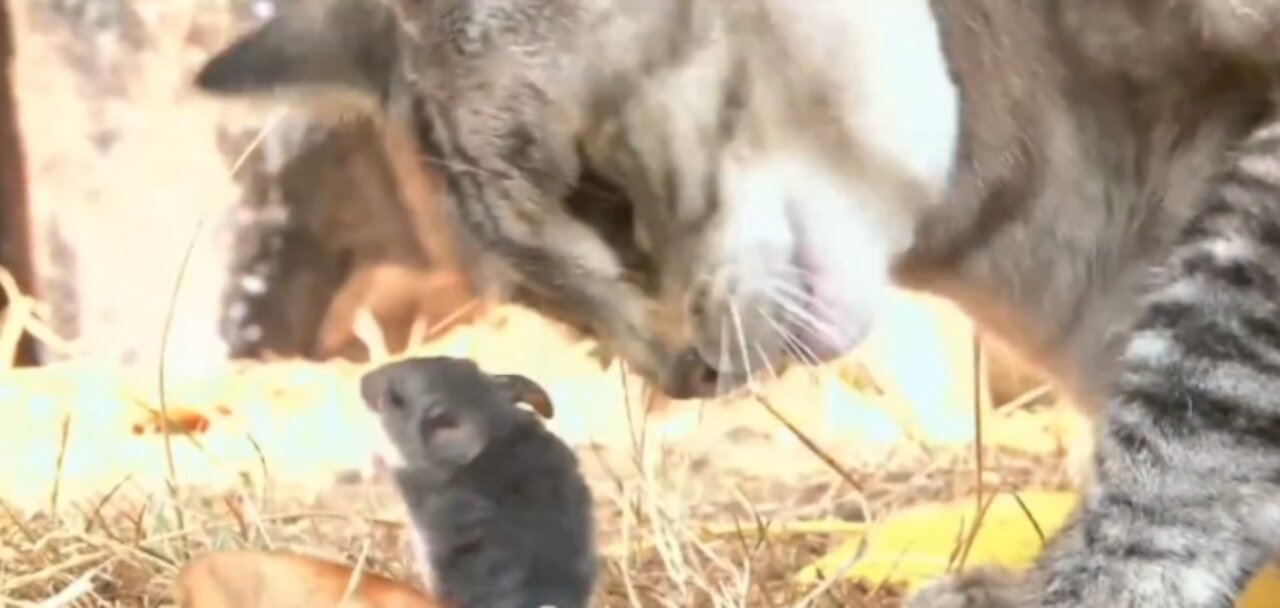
pixel 523 390
pixel 337 47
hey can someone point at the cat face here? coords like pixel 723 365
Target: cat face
pixel 772 156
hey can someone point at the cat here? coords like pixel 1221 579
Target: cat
pixel 501 514
pixel 517 100
pixel 1186 504
pixel 1029 160
pixel 949 167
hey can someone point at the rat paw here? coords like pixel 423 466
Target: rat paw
pixel 985 587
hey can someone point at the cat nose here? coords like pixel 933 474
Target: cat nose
pixel 690 377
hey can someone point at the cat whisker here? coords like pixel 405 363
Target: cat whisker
pixel 773 371
pixel 794 311
pixel 796 347
pixel 796 271
pixel 800 306
pixel 781 287
pixel 722 380
pixel 741 334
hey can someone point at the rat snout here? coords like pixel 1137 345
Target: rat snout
pixel 373 389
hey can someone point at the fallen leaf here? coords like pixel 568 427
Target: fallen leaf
pixel 915 545
pixel 1263 590
pixel 268 579
pixel 181 421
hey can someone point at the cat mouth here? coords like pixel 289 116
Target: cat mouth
pixel 824 322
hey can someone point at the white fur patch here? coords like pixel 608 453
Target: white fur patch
pixel 899 104
pixel 1263 167
pixel 906 102
pixel 789 203
pixel 1230 249
pixel 391 459
pixel 757 219
pixel 899 97
pixel 422 553
pixel 1150 347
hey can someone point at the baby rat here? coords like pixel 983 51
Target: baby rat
pixel 501 514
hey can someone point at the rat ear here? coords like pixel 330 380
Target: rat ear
pixel 523 390
pixel 335 47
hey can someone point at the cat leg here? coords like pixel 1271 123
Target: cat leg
pixel 1117 555
pixel 1185 506
pixel 988 587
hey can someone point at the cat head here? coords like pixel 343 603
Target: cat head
pixel 441 412
pixel 775 156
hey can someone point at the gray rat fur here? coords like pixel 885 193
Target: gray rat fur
pixel 499 508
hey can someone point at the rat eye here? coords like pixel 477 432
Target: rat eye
pixel 393 400
pixel 437 422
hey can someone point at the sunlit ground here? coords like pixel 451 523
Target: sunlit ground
pixel 279 457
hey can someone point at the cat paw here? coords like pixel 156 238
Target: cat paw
pixel 976 588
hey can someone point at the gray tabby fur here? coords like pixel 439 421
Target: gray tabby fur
pixel 1185 508
pixel 1079 140
pixel 500 512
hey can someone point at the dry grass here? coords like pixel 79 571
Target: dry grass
pixel 698 504
pixel 739 550
pixel 720 511
pixel 665 550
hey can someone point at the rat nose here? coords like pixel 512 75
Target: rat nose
pixel 373 388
